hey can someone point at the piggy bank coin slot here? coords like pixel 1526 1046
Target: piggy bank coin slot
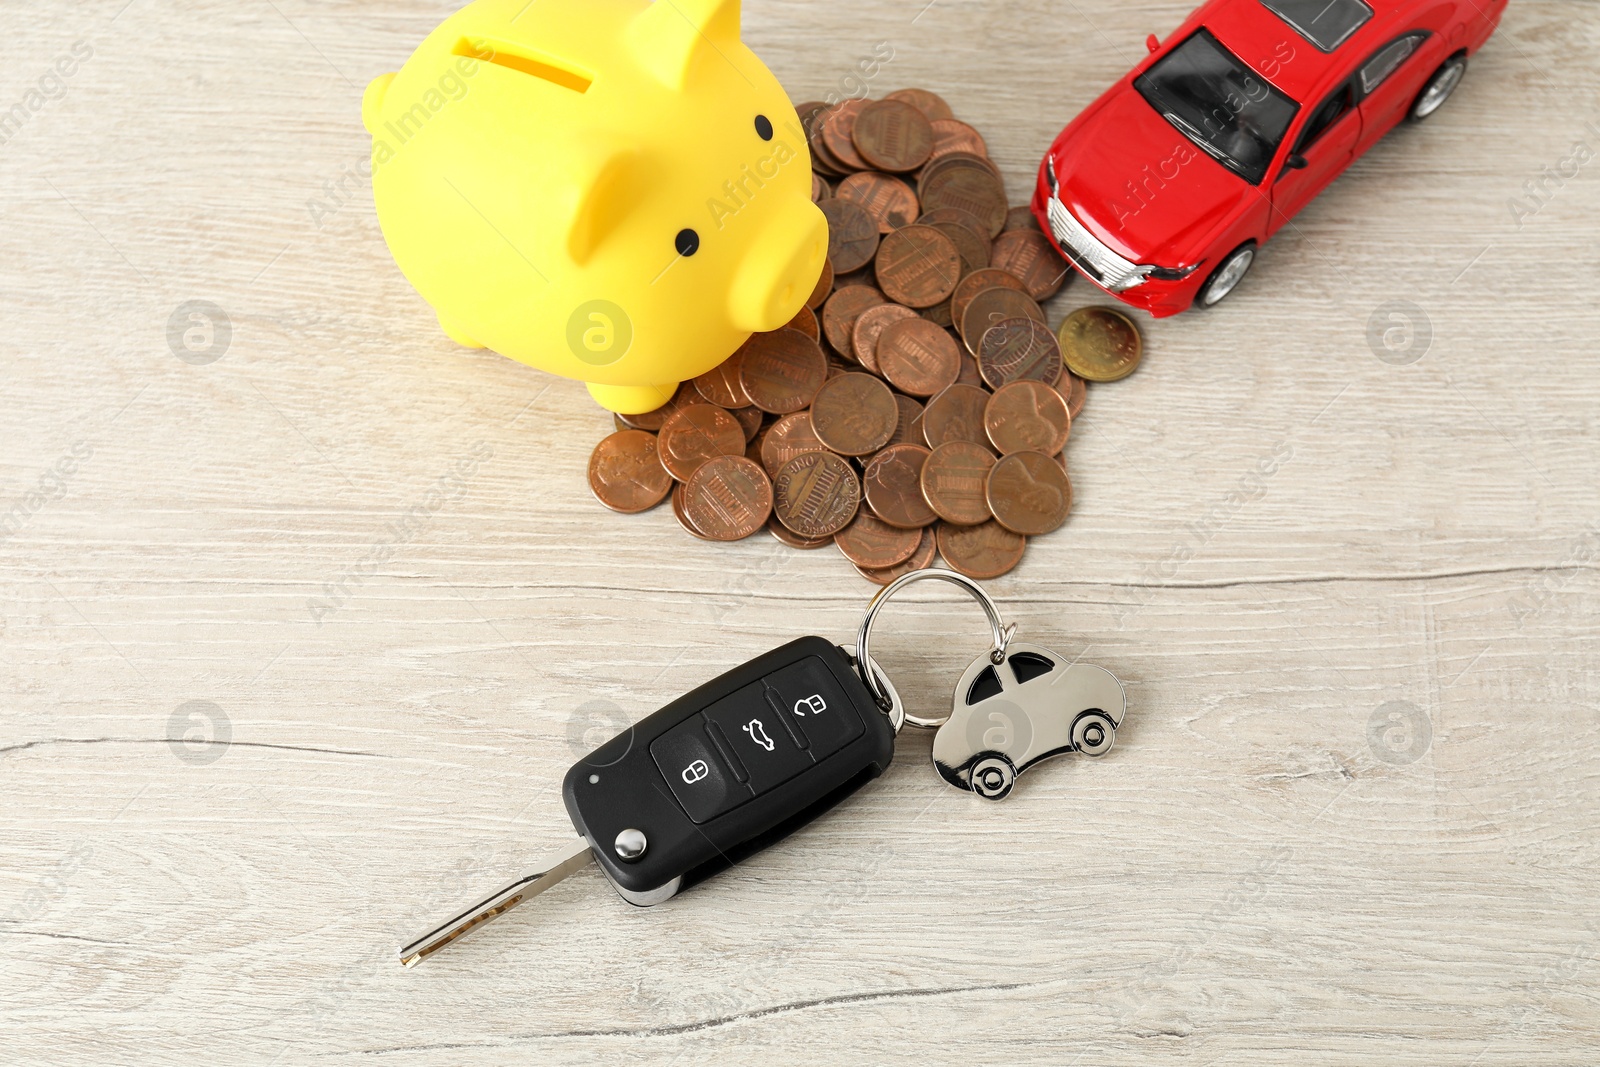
pixel 525 61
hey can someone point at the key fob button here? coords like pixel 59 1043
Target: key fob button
pixel 760 742
pixel 810 695
pixel 695 773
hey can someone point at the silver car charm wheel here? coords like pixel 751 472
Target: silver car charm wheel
pixel 993 777
pixel 1093 734
pixel 1228 276
pixel 1439 89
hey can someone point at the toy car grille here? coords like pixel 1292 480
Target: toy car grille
pixel 1081 246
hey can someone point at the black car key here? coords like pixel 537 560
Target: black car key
pixel 750 757
pixel 718 774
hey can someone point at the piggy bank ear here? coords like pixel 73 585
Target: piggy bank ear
pixel 670 36
pixel 604 187
pixel 372 101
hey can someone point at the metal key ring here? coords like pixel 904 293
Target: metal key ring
pixel 1002 634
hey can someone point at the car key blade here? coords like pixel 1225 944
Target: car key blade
pixel 530 884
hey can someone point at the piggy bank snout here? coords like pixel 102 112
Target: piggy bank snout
pixel 779 269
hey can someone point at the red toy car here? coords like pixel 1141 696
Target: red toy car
pixel 1161 191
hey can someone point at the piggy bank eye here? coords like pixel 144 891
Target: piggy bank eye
pixel 764 127
pixel 687 242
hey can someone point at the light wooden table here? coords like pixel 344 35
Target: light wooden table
pixel 1351 819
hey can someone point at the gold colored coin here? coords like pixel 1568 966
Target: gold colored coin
pixel 1100 344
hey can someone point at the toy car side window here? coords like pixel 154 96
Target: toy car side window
pixel 1334 108
pixel 1387 61
pixel 1026 666
pixel 985 685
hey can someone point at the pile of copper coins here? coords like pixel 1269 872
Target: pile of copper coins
pixel 918 403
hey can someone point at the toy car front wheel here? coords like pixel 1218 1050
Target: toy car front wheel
pixel 992 777
pixel 1093 734
pixel 1229 273
pixel 1439 88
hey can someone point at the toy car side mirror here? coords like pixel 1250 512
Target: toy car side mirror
pixel 1295 162
pixel 1152 43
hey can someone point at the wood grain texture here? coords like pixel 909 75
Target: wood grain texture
pixel 1250 878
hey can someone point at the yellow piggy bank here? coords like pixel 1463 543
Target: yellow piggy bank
pixel 616 191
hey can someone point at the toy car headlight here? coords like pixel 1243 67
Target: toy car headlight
pixel 1146 270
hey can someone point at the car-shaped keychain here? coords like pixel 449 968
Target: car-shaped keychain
pixel 1010 715
pixel 1162 190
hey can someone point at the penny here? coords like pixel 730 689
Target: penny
pixel 1029 493
pixel 807 114
pixel 1027 416
pixel 1021 218
pixel 1018 348
pixel 720 385
pixel 854 414
pixel 805 320
pixel 870 542
pixel 908 430
pixel 750 419
pixel 956 415
pixel 990 307
pixel 852 234
pixel 837 128
pixel 976 282
pixel 678 513
pixel 893 135
pixel 939 314
pixel 930 104
pixel 959 159
pixel 787 438
pixel 816 494
pixel 985 551
pixel 819 188
pixel 837 366
pixel 953 482
pixel 728 498
pixel 1075 389
pixel 781 371
pixel 918 266
pixel 889 201
pixel 952 135
pixel 777 529
pixel 919 358
pixel 1032 258
pixel 625 472
pixel 1100 344
pixel 695 434
pixel 892 485
pixel 969 371
pixel 972 243
pixel 869 326
pixel 653 420
pixel 967 184
pixel 921 559
pixel 824 287
pixel 840 312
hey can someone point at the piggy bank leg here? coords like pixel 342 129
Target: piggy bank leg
pixel 632 399
pixel 456 334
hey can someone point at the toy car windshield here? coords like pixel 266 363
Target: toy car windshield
pixel 1325 23
pixel 1231 113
